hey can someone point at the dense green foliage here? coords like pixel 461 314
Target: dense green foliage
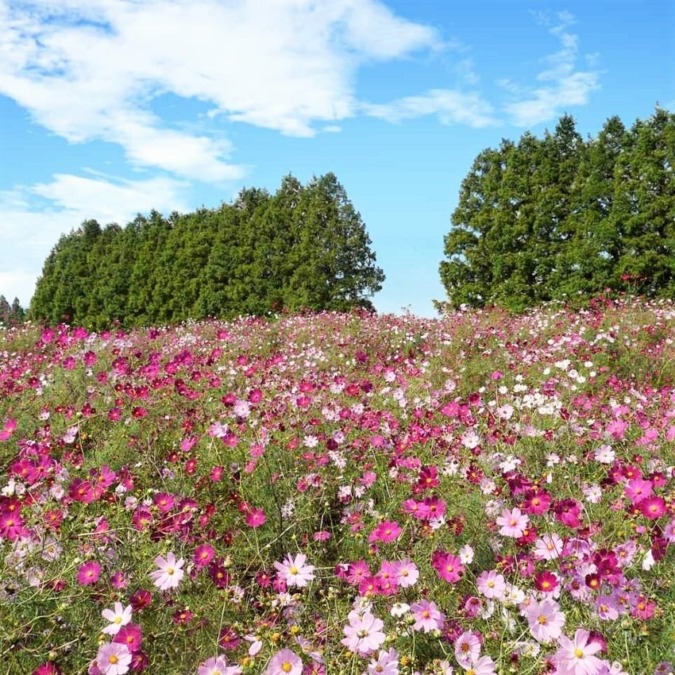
pixel 303 247
pixel 559 218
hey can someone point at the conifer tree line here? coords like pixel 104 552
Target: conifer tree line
pixel 562 218
pixel 304 247
pixel 11 315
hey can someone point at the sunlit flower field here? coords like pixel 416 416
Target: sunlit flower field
pixel 342 494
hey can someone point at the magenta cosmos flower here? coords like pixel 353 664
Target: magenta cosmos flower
pixel 294 571
pixel 284 662
pixel 170 572
pixel 88 573
pixel 113 659
pixel 386 532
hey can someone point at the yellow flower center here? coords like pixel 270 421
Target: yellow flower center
pixel 170 570
pixel 113 659
pixel 578 653
pixel 118 620
pixel 542 620
pixel 286 667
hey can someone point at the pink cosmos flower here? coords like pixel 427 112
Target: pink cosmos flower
pixel 577 656
pixel 204 555
pixel 386 663
pixel 548 547
pixel 130 635
pixel 386 532
pixel 284 662
pixel 652 507
pixel 448 566
pixel 545 620
pixel 170 572
pixel 255 518
pixel 118 617
pixel 363 633
pixel 482 666
pixel 407 573
pixel 217 665
pixel 427 616
pixel 9 427
pixel 88 573
pixel 491 584
pixel 513 523
pixel 294 571
pixel 638 488
pixel 467 648
pixel 113 659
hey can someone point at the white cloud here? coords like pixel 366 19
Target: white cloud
pixel 29 231
pixel 450 106
pixel 562 82
pixel 90 69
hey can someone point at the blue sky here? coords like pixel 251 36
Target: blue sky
pixel 109 108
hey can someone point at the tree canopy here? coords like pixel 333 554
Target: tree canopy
pixel 304 247
pixel 561 217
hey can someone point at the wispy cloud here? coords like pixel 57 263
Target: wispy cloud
pixel 33 218
pixel 563 82
pixel 90 69
pixel 450 106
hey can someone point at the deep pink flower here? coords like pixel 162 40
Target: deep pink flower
pixel 386 532
pixel 131 636
pixel 448 566
pixel 255 518
pixel 88 573
pixel 652 507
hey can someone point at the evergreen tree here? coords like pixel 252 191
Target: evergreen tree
pixel 559 217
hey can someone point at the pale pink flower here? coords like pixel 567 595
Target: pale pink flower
pixel 284 662
pixel 467 648
pixel 364 633
pixel 386 663
pixel 294 571
pixel 512 523
pixel 427 616
pixel 170 572
pixel 217 665
pixel 491 584
pixel 545 620
pixel 113 659
pixel 407 573
pixel 548 547
pixel 577 656
pixel 118 617
pixel 482 666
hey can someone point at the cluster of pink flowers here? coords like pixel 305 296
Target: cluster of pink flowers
pixel 291 496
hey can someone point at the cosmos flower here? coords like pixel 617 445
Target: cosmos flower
pixel 170 572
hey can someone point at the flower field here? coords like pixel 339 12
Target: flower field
pixel 342 494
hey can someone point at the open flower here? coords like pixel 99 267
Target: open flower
pixel 294 571
pixel 364 633
pixel 118 617
pixel 284 662
pixel 113 659
pixel 170 572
